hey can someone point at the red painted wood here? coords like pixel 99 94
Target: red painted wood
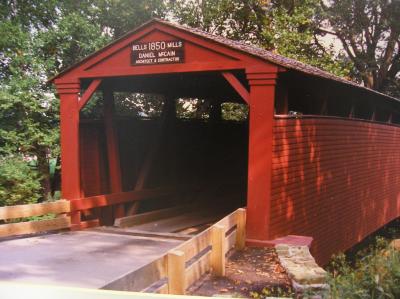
pixel 201 54
pixel 69 122
pixel 114 167
pixel 237 85
pixel 335 180
pixel 262 95
pixel 88 93
pixel 162 69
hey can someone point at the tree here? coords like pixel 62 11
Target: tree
pixel 120 17
pixel 288 27
pixel 37 40
pixel 291 29
pixel 369 31
pixel 235 19
pixel 19 182
pixel 28 114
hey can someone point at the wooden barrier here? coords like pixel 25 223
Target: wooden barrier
pixel 174 272
pixel 118 198
pixel 150 216
pixel 218 249
pixel 29 227
pixel 20 211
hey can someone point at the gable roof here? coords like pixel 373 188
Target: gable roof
pixel 269 56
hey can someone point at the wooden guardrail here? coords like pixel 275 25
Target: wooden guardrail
pixel 177 270
pixel 61 207
pixel 30 210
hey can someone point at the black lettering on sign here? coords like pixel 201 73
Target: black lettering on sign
pixel 158 52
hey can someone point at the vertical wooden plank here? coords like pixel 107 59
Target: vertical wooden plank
pixel 241 228
pixel 218 249
pixel 262 95
pixel 176 272
pixel 69 123
pixel 112 149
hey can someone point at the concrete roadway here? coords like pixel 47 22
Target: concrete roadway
pixel 89 259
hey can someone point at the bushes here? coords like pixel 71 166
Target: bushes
pixel 375 273
pixel 19 183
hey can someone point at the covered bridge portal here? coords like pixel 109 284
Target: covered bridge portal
pixel 317 155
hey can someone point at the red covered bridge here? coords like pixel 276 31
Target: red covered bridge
pixel 317 156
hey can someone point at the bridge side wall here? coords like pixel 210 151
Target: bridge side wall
pixel 333 179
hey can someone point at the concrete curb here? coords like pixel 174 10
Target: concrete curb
pixel 308 279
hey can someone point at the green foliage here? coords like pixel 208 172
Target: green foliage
pixel 276 291
pixel 375 274
pixel 37 40
pixel 291 29
pixel 235 19
pixel 18 182
pixel 121 16
pixel 234 111
pixel 138 104
pixel 63 45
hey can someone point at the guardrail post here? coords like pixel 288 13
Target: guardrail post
pixel 218 249
pixel 176 272
pixel 241 228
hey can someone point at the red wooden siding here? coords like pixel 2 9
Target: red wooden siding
pixel 94 178
pixel 335 180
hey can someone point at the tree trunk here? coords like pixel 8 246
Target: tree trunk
pixel 44 171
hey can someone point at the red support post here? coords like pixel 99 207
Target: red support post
pixel 70 161
pixel 112 150
pixel 262 97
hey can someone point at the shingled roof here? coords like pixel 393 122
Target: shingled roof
pixel 269 56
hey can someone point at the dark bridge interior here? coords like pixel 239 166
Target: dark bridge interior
pixel 182 131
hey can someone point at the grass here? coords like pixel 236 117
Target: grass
pixel 370 270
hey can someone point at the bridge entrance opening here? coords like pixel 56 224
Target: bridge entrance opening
pixel 185 135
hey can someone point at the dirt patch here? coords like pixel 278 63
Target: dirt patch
pixel 249 271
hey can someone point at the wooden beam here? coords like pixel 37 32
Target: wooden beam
pixel 117 198
pixel 142 233
pixel 176 272
pixel 237 85
pixel 189 67
pixel 150 216
pixel 88 93
pixel 241 229
pixel 69 135
pixel 196 270
pixel 218 249
pixel 260 152
pixel 30 227
pixel 112 150
pixel 20 211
